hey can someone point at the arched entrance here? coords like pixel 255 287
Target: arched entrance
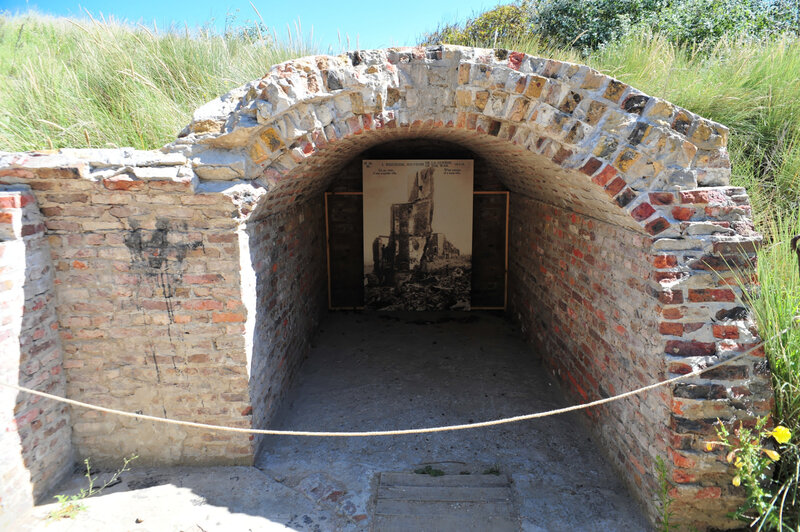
pixel 623 229
pixel 622 224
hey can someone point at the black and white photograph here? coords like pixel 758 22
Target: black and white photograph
pixel 417 234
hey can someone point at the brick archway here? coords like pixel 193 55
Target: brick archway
pixel 624 143
pixel 623 232
pixel 587 157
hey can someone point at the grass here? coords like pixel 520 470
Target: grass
pixel 428 470
pixel 69 83
pixel 70 506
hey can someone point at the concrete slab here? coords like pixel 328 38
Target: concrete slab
pixel 220 499
pixel 400 370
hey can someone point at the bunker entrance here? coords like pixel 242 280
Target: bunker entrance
pixel 538 265
pixel 201 269
pixel 383 371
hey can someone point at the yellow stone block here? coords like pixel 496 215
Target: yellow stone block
pixel 272 139
pixel 257 153
pixel 463 98
pixel 614 90
pixel 535 86
pixel 463 74
pixel 594 80
pixel 518 110
pixel 702 132
pixel 661 110
pixel 481 98
pixel 357 103
pixel 207 126
pixel 626 159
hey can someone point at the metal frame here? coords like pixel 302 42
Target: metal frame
pixel 474 193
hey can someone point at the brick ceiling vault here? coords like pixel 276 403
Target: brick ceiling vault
pixel 563 133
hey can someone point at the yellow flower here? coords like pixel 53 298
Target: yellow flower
pixel 774 456
pixel 710 445
pixel 729 457
pixel 738 463
pixel 781 434
pixel 736 481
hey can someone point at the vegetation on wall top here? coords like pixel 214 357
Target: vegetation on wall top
pixel 89 83
pixel 589 24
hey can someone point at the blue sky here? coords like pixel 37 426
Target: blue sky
pixel 375 24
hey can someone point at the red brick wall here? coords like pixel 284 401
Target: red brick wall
pixel 579 290
pixel 150 310
pixel 35 432
pixel 288 253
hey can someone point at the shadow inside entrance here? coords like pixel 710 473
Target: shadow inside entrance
pixel 386 371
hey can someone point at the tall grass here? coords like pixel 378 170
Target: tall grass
pixel 69 83
pixel 777 308
pixel 773 501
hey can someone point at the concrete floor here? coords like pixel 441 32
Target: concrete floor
pixel 379 371
pixel 387 371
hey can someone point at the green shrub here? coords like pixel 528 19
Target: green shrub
pixel 588 24
pixel 706 21
pixel 506 23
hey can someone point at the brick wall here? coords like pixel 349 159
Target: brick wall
pixel 580 293
pixel 35 435
pixel 149 303
pixel 703 317
pixel 288 256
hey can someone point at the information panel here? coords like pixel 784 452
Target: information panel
pixel 417 234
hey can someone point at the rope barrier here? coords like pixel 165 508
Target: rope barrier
pixel 401 432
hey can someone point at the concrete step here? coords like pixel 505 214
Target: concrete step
pixel 443 493
pixel 449 503
pixel 452 523
pixel 442 508
pixel 414 479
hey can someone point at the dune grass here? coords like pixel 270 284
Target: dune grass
pixel 69 83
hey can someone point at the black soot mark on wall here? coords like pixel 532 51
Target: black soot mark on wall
pixel 160 264
pixel 157 259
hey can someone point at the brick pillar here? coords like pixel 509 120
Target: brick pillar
pixel 35 436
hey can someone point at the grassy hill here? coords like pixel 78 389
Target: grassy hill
pixel 70 83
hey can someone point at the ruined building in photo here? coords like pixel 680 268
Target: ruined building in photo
pixel 414 267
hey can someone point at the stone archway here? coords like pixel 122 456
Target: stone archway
pixel 624 226
pixel 623 230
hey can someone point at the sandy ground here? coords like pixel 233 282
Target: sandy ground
pixel 385 371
